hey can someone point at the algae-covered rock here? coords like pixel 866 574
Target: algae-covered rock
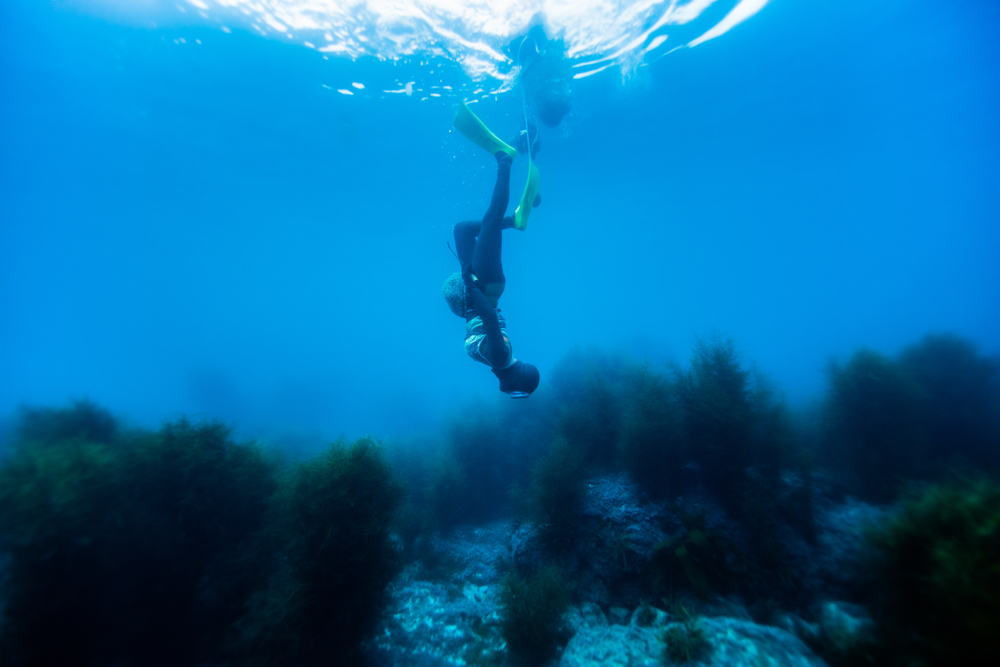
pixel 615 535
pixel 428 623
pixel 835 560
pixel 730 643
pixel 844 634
pixel 614 646
pixel 476 554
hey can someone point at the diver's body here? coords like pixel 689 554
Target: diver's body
pixel 479 246
pixel 474 293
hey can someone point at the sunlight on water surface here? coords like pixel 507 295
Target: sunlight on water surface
pixel 598 34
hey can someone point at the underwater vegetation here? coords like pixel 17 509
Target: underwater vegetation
pixel 937 580
pixel 331 559
pixel 484 465
pixel 731 421
pixel 125 546
pixel 684 641
pixel 872 433
pixel 468 475
pixel 716 427
pixel 180 546
pixel 83 421
pixel 556 492
pixel 591 421
pixel 120 543
pixel 935 407
pixel 959 400
pixel 699 559
pixel 532 612
pixel 651 448
pixel 488 454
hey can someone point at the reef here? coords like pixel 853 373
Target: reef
pixel 627 515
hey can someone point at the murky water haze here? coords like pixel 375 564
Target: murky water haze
pixel 197 222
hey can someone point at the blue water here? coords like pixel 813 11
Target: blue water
pixel 194 220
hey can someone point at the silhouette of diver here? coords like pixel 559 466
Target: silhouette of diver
pixel 475 292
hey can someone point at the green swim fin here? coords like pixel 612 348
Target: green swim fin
pixel 468 124
pixel 528 198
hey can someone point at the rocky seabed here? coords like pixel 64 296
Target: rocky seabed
pixel 451 614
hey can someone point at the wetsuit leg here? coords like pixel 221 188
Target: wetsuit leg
pixel 465 241
pixel 466 233
pixel 486 262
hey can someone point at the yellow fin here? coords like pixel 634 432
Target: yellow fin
pixel 527 198
pixel 468 124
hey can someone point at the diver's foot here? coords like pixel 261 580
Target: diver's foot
pixel 503 157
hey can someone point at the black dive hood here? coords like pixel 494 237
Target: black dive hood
pixel 518 380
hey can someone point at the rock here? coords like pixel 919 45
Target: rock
pixel 844 618
pixel 840 544
pixel 429 624
pixel 525 548
pixel 573 620
pixel 615 539
pixel 624 529
pixel 645 616
pixel 619 615
pixel 844 628
pixel 593 616
pixel 731 643
pixel 614 646
pixel 831 564
pixel 455 620
pixel 476 554
pixel 735 643
pixel 796 625
pixel 587 615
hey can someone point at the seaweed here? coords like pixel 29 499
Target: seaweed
pixel 531 615
pixel 730 421
pixel 182 547
pixel 937 583
pixel 652 449
pixel 873 435
pixel 556 492
pixel 332 556
pixel 82 421
pixel 684 641
pixel 446 489
pixel 592 421
pixel 933 410
pixel 699 559
pixel 120 543
pixel 482 458
pixel 959 400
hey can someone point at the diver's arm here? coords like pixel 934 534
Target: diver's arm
pixel 495 344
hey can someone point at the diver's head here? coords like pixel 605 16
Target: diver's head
pixel 454 293
pixel 519 379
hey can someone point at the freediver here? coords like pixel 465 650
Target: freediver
pixel 475 291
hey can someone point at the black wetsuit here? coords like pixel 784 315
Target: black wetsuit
pixel 479 246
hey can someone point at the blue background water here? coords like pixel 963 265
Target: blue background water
pixel 212 229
